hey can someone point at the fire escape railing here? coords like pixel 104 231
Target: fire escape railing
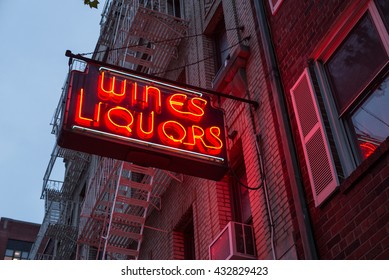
pixel 119 197
pixel 142 35
pixel 58 194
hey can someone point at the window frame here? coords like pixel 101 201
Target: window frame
pixel 348 151
pixel 240 195
pixel 13 254
pixel 184 240
pixel 174 3
pixel 345 108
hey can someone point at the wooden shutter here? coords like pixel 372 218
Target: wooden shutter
pixel 319 160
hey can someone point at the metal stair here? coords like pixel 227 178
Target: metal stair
pixel 118 217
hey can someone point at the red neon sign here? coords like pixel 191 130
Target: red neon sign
pixel 116 114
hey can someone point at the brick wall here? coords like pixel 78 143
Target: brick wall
pixel 211 201
pixel 353 223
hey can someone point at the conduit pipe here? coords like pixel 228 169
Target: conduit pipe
pixel 291 159
pixel 266 192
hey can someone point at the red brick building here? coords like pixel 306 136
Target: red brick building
pixel 332 59
pixel 16 238
pixel 308 173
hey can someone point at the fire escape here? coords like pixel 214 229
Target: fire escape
pixel 113 197
pixel 142 35
pixel 119 198
pixel 57 237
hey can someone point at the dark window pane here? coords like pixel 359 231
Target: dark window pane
pixel 25 255
pixel 371 120
pixel 354 64
pixel 221 44
pixel 383 8
pixel 9 252
pixel 18 255
pixel 174 8
pixel 249 240
pixel 239 238
pixel 242 208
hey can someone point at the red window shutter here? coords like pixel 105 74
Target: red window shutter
pixel 320 163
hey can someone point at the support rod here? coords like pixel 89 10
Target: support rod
pixel 69 54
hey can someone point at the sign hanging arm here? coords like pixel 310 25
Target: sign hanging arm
pixel 69 54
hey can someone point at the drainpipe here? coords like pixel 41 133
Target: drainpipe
pixel 286 136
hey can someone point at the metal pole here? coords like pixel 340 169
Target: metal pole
pixel 69 54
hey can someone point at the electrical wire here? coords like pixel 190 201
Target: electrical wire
pixel 201 60
pixel 263 184
pixel 187 65
pixel 241 28
pixel 183 66
pixel 259 154
pixel 237 179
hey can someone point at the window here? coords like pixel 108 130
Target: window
pixel 189 244
pixel 184 239
pixel 371 119
pixel 361 55
pixel 351 71
pixel 241 199
pixel 221 44
pixel 357 74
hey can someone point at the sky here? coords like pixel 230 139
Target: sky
pixel 34 35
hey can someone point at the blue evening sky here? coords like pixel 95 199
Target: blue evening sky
pixel 34 36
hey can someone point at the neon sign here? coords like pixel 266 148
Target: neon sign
pixel 143 120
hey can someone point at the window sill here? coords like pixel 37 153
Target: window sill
pixel 230 78
pixel 363 168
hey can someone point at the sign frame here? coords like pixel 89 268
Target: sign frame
pixel 89 139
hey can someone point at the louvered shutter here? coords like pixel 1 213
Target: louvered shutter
pixel 319 160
